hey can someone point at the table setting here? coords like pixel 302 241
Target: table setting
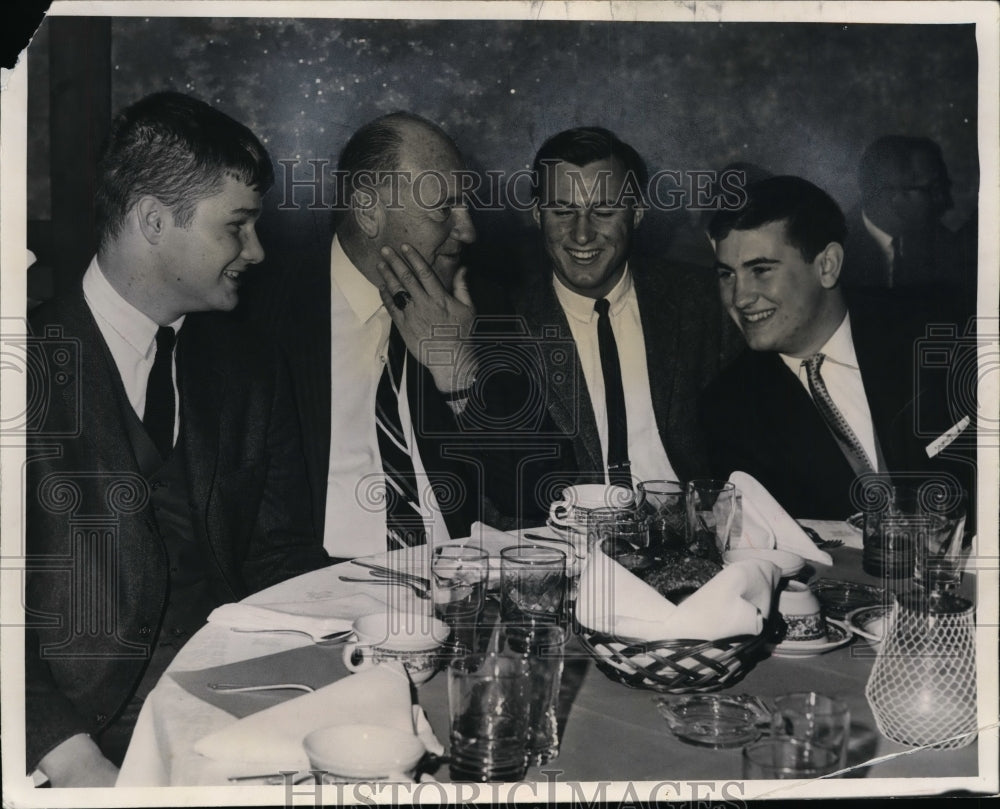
pixel 686 630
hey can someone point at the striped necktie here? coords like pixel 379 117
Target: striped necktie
pixel 404 523
pixel 842 432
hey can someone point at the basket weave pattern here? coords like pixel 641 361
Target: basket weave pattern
pixel 673 666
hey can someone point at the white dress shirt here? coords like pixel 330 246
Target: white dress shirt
pixel 884 242
pixel 842 377
pixel 131 338
pixel 355 522
pixel 645 449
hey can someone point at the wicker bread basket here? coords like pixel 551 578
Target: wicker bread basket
pixel 673 666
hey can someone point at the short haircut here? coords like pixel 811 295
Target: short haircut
pixel 887 160
pixel 584 145
pixel 812 218
pixel 375 148
pixel 178 149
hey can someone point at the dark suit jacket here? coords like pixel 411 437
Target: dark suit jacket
pixel 98 570
pixel 687 340
pixel 292 303
pixel 761 420
pixel 945 272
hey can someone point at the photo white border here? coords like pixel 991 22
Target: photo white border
pixel 13 151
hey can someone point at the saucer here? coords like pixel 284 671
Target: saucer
pixel 837 635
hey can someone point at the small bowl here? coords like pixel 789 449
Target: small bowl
pixel 788 563
pixel 712 721
pixel 841 597
pixel 869 623
pixel 364 752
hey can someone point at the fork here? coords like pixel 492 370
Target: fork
pixel 234 688
pixel 418 590
pixel 822 544
pixel 389 572
pixel 343 633
pixel 540 538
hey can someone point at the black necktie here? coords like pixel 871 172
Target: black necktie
pixel 842 432
pixel 158 417
pixel 896 270
pixel 618 464
pixel 404 523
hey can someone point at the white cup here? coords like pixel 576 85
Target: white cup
pixel 408 638
pixel 801 611
pixel 571 510
pixel 353 753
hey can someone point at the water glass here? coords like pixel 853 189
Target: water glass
pixel 621 534
pixel 938 554
pixel 892 522
pixel 542 646
pixel 781 757
pixel 711 512
pixel 489 709
pixel 810 717
pixel 459 580
pixel 532 584
pixel 662 503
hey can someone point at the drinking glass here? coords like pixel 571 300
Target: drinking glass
pixel 459 579
pixel 938 557
pixel 621 534
pixel 815 718
pixel 782 757
pixel 711 511
pixel 532 584
pixel 662 503
pixel 542 646
pixel 489 709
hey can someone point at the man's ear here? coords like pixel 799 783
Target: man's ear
pixel 151 217
pixel 536 214
pixel 638 212
pixel 830 260
pixel 369 216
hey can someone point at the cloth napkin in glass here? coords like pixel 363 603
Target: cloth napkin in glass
pixel 273 737
pixel 316 618
pixel 767 525
pixel 736 601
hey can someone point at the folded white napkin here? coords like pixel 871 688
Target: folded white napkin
pixel 376 696
pixel 317 618
pixel 767 525
pixel 736 601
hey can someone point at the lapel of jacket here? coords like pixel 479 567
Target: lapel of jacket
pixel 102 419
pixel 202 382
pixel 886 373
pixel 305 335
pixel 789 412
pixel 568 397
pixel 658 315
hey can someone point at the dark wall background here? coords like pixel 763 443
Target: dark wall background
pixel 795 98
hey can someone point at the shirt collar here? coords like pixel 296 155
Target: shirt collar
pixel 361 294
pixel 883 239
pixel 839 349
pixel 133 326
pixel 582 308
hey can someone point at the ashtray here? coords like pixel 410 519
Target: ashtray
pixel 841 597
pixel 707 720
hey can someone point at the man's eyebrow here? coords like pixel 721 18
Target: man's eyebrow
pixel 244 212
pixel 756 262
